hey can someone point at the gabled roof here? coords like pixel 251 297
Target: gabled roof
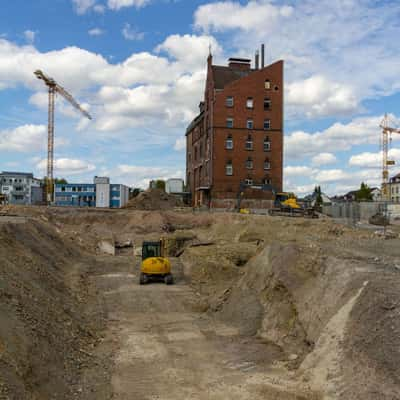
pixel 225 75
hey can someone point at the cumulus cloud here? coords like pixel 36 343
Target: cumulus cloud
pixel 67 166
pixel 131 33
pixel 96 32
pixel 227 15
pixel 318 97
pixel 298 171
pixel 140 176
pixel 373 160
pixel 338 137
pixel 25 138
pixel 323 159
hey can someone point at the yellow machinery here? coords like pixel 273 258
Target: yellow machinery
pixel 155 266
pixel 285 204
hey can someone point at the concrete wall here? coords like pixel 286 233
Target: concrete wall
pixel 361 211
pixel 103 195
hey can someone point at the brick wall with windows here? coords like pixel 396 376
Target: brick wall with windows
pixel 243 116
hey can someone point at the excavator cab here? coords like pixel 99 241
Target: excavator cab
pixel 155 266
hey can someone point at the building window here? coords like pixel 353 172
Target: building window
pixel 229 101
pixel 276 88
pixel 249 102
pixel 249 163
pixel 267 103
pixel 229 168
pixel 229 122
pixel 249 124
pixel 267 84
pixel 267 181
pixel 267 164
pixel 195 153
pixel 267 144
pixel 229 142
pixel 267 124
pixel 249 143
pixel 248 181
pixel 201 150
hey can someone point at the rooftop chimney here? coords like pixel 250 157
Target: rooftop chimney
pixel 239 63
pixel 262 55
pixel 257 60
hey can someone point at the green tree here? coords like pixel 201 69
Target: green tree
pixel 318 196
pixel 160 184
pixel 134 192
pixel 364 193
pixel 62 181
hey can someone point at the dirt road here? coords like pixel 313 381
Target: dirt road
pixel 164 349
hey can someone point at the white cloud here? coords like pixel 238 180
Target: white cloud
pixel 298 171
pixel 118 4
pixel 338 137
pixel 318 96
pixel 180 144
pixel 373 160
pixel 67 166
pixel 25 138
pixel 226 15
pixel 99 8
pixel 30 36
pixel 96 32
pixel 140 176
pixel 131 33
pixel 82 6
pixel 323 159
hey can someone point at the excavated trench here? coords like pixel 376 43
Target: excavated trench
pixel 263 308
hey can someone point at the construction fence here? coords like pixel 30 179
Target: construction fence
pixel 362 211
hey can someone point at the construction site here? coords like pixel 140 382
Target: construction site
pixel 263 307
pixel 241 292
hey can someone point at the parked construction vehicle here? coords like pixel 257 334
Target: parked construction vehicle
pixel 155 265
pixel 285 204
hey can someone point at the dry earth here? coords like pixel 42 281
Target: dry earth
pixel 263 308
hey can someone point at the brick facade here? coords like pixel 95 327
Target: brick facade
pixel 220 157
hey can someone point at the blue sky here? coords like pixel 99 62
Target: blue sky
pixel 139 66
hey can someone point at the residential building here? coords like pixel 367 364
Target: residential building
pixel 394 188
pixel 101 194
pixel 20 188
pixel 237 136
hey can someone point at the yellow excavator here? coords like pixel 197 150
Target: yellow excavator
pixel 285 204
pixel 155 265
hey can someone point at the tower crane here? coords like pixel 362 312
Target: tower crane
pixel 53 88
pixel 386 138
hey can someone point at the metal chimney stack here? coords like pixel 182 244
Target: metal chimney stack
pixel 257 60
pixel 262 55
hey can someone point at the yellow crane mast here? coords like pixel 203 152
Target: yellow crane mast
pixel 386 138
pixel 53 88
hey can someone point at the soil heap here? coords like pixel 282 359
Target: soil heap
pixel 154 199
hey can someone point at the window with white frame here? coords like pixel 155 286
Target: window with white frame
pixel 229 122
pixel 229 142
pixel 229 168
pixel 267 124
pixel 248 181
pixel 267 144
pixel 267 164
pixel 229 101
pixel 249 163
pixel 249 143
pixel 249 102
pixel 267 84
pixel 249 123
pixel 267 181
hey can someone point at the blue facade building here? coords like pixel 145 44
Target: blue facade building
pixel 99 194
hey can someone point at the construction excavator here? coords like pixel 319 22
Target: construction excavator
pixel 285 203
pixel 155 265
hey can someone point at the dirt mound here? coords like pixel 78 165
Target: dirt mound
pixel 44 329
pixel 154 199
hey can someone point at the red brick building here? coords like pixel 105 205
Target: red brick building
pixel 237 136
